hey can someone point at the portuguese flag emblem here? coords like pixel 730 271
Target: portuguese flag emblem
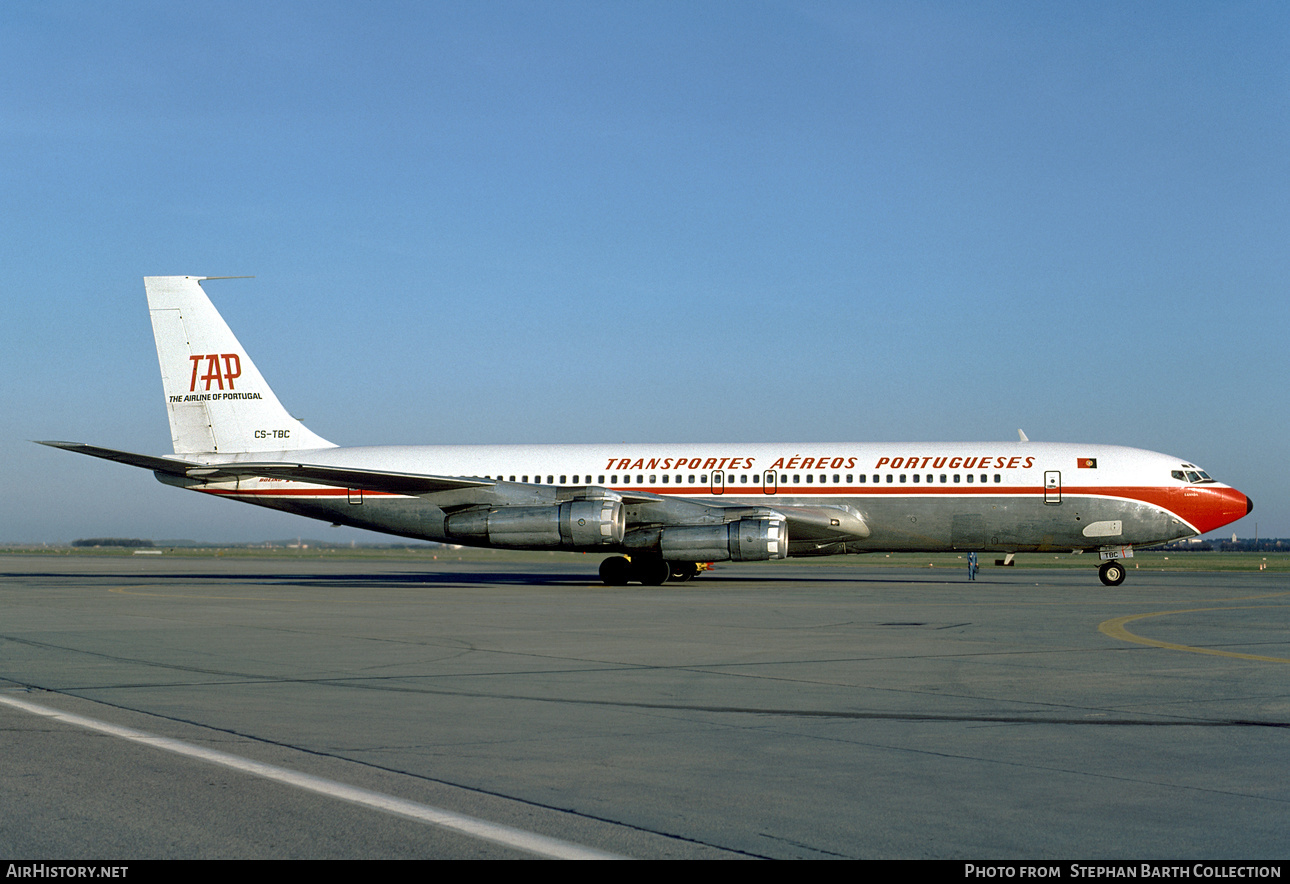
pixel 1086 463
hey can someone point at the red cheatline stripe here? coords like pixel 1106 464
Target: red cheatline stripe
pixel 1147 494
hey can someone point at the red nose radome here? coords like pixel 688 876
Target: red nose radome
pixel 1209 508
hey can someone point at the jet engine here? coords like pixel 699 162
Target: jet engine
pixel 747 540
pixel 574 524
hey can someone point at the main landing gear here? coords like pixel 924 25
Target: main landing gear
pixel 1111 573
pixel 649 570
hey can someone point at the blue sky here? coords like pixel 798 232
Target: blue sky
pixel 689 221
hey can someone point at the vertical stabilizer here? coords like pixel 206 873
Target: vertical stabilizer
pixel 216 397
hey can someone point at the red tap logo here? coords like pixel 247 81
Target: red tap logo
pixel 231 368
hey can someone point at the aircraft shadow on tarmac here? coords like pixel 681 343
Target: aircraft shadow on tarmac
pixel 482 578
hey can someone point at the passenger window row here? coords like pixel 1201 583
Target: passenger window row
pixel 784 478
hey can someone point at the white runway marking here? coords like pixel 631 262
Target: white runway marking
pixel 476 828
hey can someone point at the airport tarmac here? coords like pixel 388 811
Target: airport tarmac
pixel 776 710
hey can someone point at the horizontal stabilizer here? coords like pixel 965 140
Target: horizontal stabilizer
pixel 144 461
pixel 340 477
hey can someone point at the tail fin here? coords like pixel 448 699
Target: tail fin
pixel 217 399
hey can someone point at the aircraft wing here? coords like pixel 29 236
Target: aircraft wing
pixel 820 523
pixel 347 477
pixel 342 477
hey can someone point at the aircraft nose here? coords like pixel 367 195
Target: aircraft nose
pixel 1235 505
pixel 1208 507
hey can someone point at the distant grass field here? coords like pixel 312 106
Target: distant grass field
pixel 1142 561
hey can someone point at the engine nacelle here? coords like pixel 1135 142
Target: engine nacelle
pixel 747 540
pixel 574 524
pixel 595 522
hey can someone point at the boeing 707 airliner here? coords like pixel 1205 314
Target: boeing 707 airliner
pixel 661 509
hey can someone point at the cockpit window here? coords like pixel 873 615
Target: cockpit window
pixel 1194 475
